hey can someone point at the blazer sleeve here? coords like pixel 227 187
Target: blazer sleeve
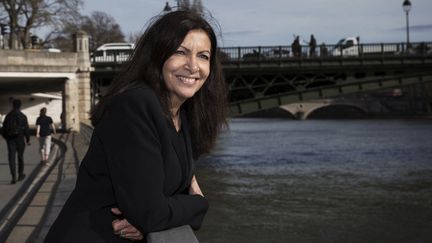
pixel 130 138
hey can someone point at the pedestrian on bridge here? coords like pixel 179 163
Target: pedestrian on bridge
pixel 15 130
pixel 163 112
pixel 312 46
pixel 296 47
pixel 323 50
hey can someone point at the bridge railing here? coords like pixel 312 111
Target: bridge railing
pixel 272 53
pixel 117 57
pixel 280 53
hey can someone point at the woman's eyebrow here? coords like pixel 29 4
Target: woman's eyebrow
pixel 187 49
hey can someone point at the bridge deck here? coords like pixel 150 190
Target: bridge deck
pixel 264 77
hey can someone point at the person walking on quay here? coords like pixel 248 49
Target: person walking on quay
pixel 312 46
pixel 44 128
pixel 161 113
pixel 15 130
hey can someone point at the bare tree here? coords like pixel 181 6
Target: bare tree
pixel 12 9
pixel 134 37
pixel 103 28
pixel 100 26
pixel 25 16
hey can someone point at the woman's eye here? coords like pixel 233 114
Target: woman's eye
pixel 180 52
pixel 205 57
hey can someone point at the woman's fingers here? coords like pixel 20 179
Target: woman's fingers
pixel 119 225
pixel 125 230
pixel 139 237
pixel 130 232
pixel 116 211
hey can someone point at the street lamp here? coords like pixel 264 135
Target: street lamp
pixel 407 7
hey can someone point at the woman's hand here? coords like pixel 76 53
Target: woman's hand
pixel 123 228
pixel 194 188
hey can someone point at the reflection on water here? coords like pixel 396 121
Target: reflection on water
pixel 275 180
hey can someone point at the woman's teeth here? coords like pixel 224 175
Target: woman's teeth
pixel 187 80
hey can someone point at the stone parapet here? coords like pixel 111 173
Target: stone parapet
pixel 37 58
pixel 38 69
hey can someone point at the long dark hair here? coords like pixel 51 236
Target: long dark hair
pixel 206 110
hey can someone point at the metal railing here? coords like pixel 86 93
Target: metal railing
pixel 263 53
pixel 281 53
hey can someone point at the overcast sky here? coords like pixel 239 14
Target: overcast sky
pixel 274 22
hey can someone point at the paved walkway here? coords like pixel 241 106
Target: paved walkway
pixel 31 161
pixel 30 207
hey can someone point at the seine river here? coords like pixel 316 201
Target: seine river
pixel 275 180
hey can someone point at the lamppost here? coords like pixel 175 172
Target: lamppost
pixel 406 5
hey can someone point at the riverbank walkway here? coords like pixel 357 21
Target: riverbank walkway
pixel 29 207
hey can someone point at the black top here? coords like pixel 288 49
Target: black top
pixel 45 125
pixel 21 119
pixel 179 140
pixel 134 164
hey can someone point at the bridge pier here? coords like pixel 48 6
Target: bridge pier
pixel 300 115
pixel 81 46
pixel 70 105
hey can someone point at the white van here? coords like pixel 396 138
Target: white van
pixel 351 46
pixel 113 52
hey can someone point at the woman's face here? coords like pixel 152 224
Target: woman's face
pixel 187 69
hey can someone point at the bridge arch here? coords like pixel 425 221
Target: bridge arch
pixel 304 110
pixel 336 111
pixel 276 112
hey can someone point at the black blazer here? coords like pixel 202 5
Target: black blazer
pixel 133 164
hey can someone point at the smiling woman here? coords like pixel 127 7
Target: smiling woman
pixel 161 113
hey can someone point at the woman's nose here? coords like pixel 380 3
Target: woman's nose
pixel 192 65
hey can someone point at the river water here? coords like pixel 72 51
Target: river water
pixel 276 180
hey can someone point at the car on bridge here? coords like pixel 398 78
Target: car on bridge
pixel 276 52
pixel 351 46
pixel 113 52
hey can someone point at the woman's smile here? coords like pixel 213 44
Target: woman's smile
pixel 187 80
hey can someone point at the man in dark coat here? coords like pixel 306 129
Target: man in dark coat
pixel 296 47
pixel 312 46
pixel 15 129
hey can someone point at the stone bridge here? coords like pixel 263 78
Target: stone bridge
pixel 32 71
